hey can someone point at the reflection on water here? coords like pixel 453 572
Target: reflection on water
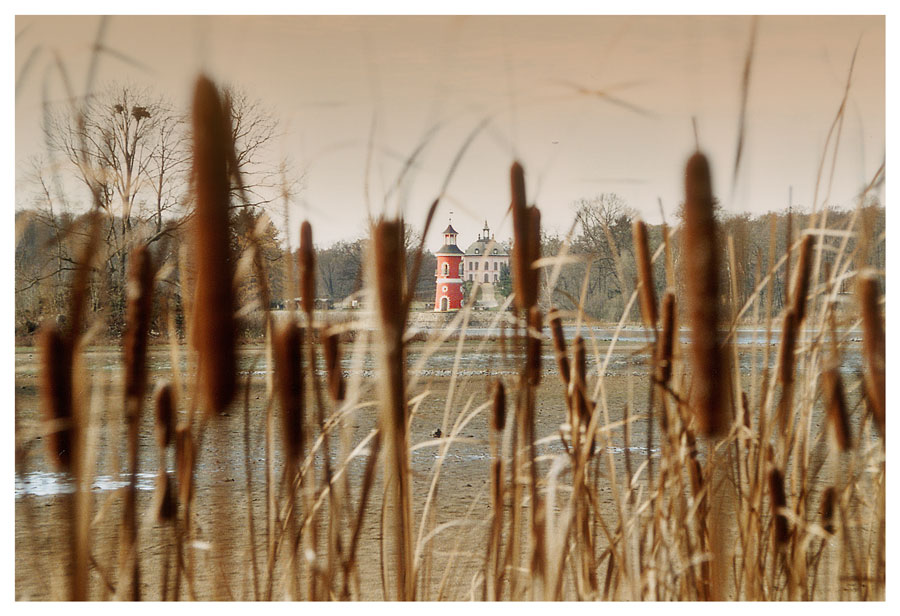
pixel 44 483
pixel 48 483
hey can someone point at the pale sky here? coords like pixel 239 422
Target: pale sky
pixel 326 78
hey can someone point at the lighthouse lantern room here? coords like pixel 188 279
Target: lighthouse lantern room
pixel 448 294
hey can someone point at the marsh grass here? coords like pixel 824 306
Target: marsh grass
pixel 741 491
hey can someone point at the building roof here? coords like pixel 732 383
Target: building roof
pixel 450 229
pixel 486 246
pixel 449 249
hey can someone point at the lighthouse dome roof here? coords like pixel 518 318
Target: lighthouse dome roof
pixel 449 249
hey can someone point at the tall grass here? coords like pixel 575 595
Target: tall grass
pixel 747 487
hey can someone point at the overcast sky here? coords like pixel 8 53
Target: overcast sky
pixel 333 81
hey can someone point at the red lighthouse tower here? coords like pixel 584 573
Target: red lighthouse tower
pixel 448 294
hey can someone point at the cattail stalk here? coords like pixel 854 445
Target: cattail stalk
pixel 137 323
pixel 493 574
pixel 288 350
pixel 388 256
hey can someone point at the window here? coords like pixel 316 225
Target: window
pixel 496 278
pixel 470 266
pixel 476 264
pixel 446 269
pixel 460 273
pixel 495 251
pixel 486 265
pixel 476 251
pixel 470 276
pixel 486 278
pixel 495 265
pixel 444 289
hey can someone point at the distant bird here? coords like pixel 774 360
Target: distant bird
pixel 436 433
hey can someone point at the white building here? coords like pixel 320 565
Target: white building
pixel 484 258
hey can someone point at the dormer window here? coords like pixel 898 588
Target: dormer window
pixel 476 251
pixel 495 251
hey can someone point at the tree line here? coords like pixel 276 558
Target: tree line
pixel 130 148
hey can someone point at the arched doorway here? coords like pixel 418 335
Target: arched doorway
pixel 445 304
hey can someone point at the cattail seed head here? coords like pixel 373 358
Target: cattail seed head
pixel 786 350
pixel 307 268
pixel 332 351
pixel 498 410
pixel 826 509
pixel 139 304
pixel 184 462
pixel 166 503
pixel 533 351
pixel 389 252
pixel 56 394
pixel 559 345
pixel 165 414
pixel 579 381
pixel 701 259
pixel 645 274
pixel 801 279
pixel 288 347
pixel 527 238
pixel 874 346
pixel 213 328
pixel 745 409
pixel 778 501
pixel 836 407
pixel 666 342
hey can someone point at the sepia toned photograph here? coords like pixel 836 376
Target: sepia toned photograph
pixel 449 308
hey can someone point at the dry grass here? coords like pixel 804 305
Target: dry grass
pixel 737 495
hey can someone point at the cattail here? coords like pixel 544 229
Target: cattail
pixel 56 394
pixel 138 308
pixel 184 462
pixel 801 280
pixel 778 501
pixel 307 268
pixel 389 256
pixel 214 330
pixel 827 509
pixel 580 401
pixel 836 407
pixel 645 273
pixel 498 410
pixel 165 414
pixel 874 346
pixel 666 342
pixel 166 504
pixel 527 236
pixel 533 350
pixel 745 408
pixel 786 351
pixel 332 350
pixel 288 345
pixel 559 345
pixel 702 282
